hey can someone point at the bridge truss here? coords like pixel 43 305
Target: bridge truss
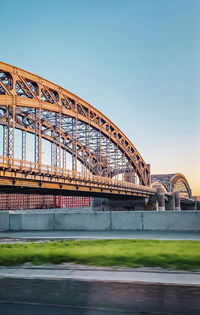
pixel 83 142
pixel 172 183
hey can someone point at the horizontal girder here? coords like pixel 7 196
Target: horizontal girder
pixel 22 175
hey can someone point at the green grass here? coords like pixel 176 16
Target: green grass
pixel 183 255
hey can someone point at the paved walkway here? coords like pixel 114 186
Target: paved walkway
pixel 70 271
pixel 11 236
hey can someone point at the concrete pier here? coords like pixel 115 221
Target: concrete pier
pixel 161 199
pixel 170 203
pixel 177 201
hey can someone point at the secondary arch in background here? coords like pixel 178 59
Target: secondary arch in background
pixel 173 182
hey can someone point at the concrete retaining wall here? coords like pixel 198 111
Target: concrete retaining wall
pixel 30 221
pixel 4 220
pixel 82 221
pixel 156 220
pixel 126 220
pixel 171 220
pixel 106 220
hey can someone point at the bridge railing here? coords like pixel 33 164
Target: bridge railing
pixel 23 166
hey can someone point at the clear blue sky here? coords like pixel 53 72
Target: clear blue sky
pixel 137 61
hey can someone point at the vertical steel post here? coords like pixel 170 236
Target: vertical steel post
pixel 13 135
pixel 106 153
pixel 86 149
pixel 73 147
pixel 123 165
pixel 24 145
pixel 64 158
pixel 89 148
pixel 10 132
pixel 117 157
pixel 59 153
pixel 38 139
pixel 55 140
pixel 5 140
pixel 76 152
pixel 109 159
pixel 115 150
pixel 52 160
pixel 56 156
pixel 100 166
pixel 54 149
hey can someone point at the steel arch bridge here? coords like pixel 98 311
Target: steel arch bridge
pixel 87 151
pixel 172 183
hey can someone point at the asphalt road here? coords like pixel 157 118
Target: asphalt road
pixel 28 309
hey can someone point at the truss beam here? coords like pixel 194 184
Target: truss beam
pixel 70 124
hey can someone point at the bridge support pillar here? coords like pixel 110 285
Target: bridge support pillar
pixel 161 199
pixel 177 201
pixel 170 203
pixel 152 203
pixel 118 204
pixel 99 204
pixel 128 204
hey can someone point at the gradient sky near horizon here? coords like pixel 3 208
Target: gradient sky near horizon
pixel 137 61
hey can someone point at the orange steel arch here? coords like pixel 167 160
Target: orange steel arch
pixel 44 95
pixel 180 177
pixel 158 184
pixel 20 126
pixel 170 181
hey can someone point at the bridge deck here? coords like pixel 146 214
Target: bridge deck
pixel 26 175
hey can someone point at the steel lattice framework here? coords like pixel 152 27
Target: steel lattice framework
pixel 173 183
pixel 36 106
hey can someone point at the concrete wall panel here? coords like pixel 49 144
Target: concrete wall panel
pixel 126 220
pixel 15 221
pixel 4 220
pixel 82 221
pixel 171 220
pixel 37 221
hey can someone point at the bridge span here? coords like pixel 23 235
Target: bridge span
pixel 18 176
pixel 53 142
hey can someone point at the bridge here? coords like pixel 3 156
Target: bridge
pixel 175 184
pixel 172 183
pixel 53 142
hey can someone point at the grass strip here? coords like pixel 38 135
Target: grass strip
pixel 182 255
